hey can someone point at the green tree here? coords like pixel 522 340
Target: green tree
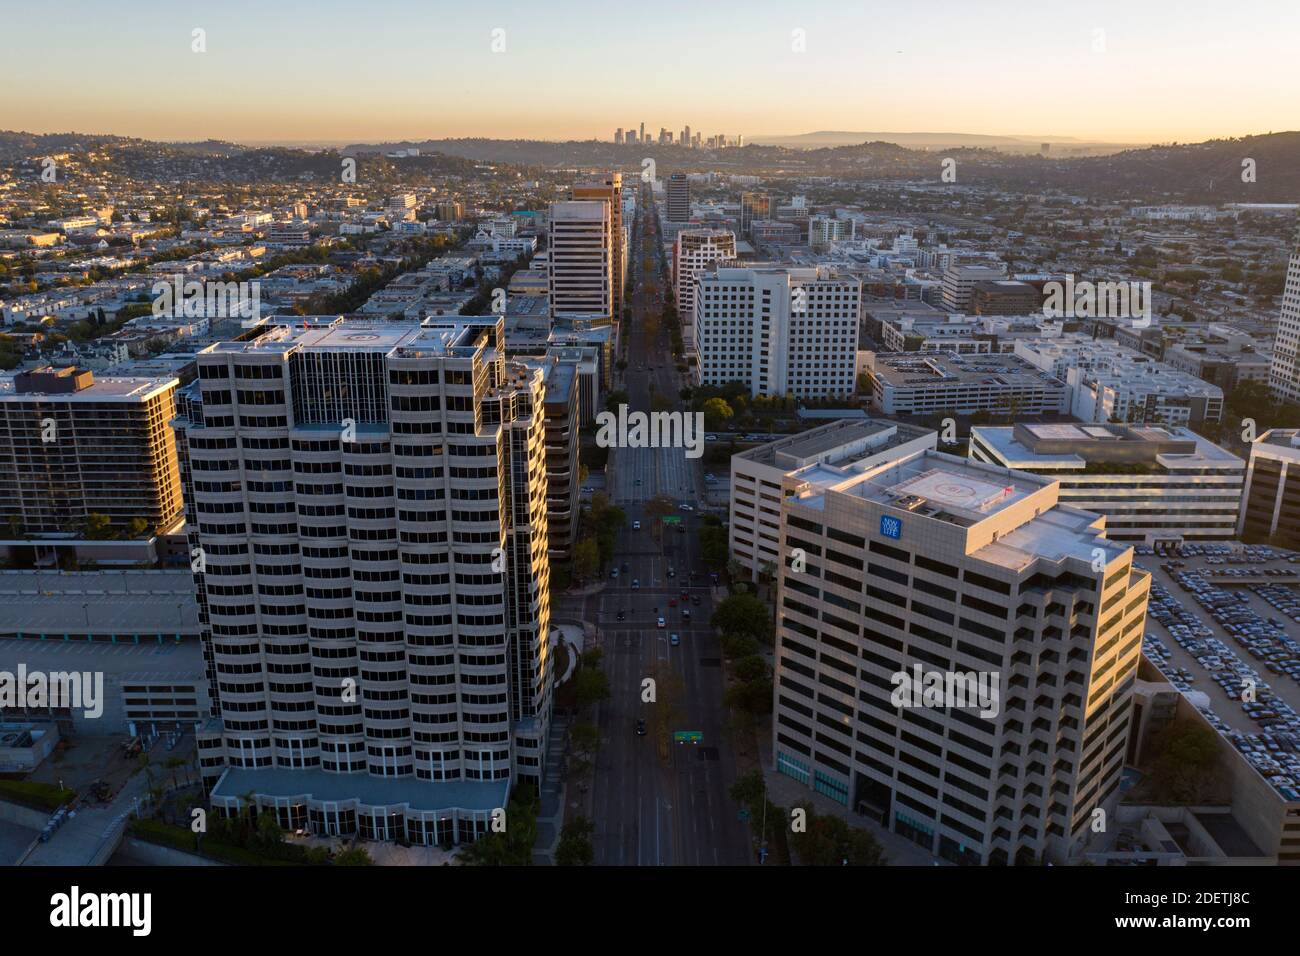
pixel 98 526
pixel 716 413
pixel 586 558
pixel 830 841
pixel 743 614
pixel 575 848
pixel 354 856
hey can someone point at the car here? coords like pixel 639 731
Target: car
pixel 686 614
pixel 636 525
pixel 672 573
pixel 661 623
pixel 685 507
pixel 640 728
pixel 695 599
pixel 587 489
pixel 674 640
pixel 613 572
pixel 621 615
pixel 636 584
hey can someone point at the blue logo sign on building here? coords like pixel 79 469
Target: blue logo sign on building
pixel 891 527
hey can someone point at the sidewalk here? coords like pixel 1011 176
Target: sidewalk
pixel 787 792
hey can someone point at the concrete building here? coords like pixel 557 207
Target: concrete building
pixel 780 331
pixel 1109 383
pixel 73 446
pixel 753 207
pixel 1156 486
pixel 679 198
pixel 694 250
pixel 374 591
pixel 757 475
pixel 581 262
pixel 1005 297
pixel 929 570
pixel 929 383
pixel 561 411
pixel 609 189
pixel 1284 377
pixel 1271 501
pixel 959 283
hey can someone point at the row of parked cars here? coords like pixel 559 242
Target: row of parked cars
pixel 1275 750
pixel 1265 639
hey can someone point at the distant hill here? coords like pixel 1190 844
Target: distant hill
pixel 823 138
pixel 1206 172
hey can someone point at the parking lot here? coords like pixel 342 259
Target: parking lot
pixel 1236 644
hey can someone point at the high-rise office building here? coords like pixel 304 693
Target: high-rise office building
pixel 753 206
pixel 694 250
pixel 609 189
pixel 75 450
pixel 581 263
pixel 618 136
pixel 1270 509
pixel 679 198
pixel 1284 375
pixel 641 138
pixel 780 331
pixel 956 654
pixel 369 503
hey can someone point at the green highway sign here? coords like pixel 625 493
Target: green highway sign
pixel 672 519
pixel 682 736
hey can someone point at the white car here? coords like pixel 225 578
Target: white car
pixel 636 526
pixel 662 623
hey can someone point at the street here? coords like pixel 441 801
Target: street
pixel 656 802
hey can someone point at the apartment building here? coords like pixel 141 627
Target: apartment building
pixel 959 282
pixel 679 198
pixel 581 261
pixel 1284 376
pixel 1271 501
pixel 930 383
pixel 931 572
pixel 757 475
pixel 609 189
pixel 780 331
pixel 369 503
pixel 73 445
pixel 694 250
pixel 1155 486
pixel 824 230
pixel 1106 382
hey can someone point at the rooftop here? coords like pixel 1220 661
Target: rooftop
pixel 855 437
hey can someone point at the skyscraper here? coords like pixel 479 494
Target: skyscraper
pixel 1284 374
pixel 956 654
pixel 753 206
pixel 694 250
pixel 368 501
pixel 781 331
pixel 609 189
pixel 679 198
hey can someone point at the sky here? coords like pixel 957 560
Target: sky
pixel 386 70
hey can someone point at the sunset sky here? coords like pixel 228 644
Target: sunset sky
pixel 326 70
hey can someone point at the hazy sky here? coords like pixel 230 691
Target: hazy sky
pixel 368 70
